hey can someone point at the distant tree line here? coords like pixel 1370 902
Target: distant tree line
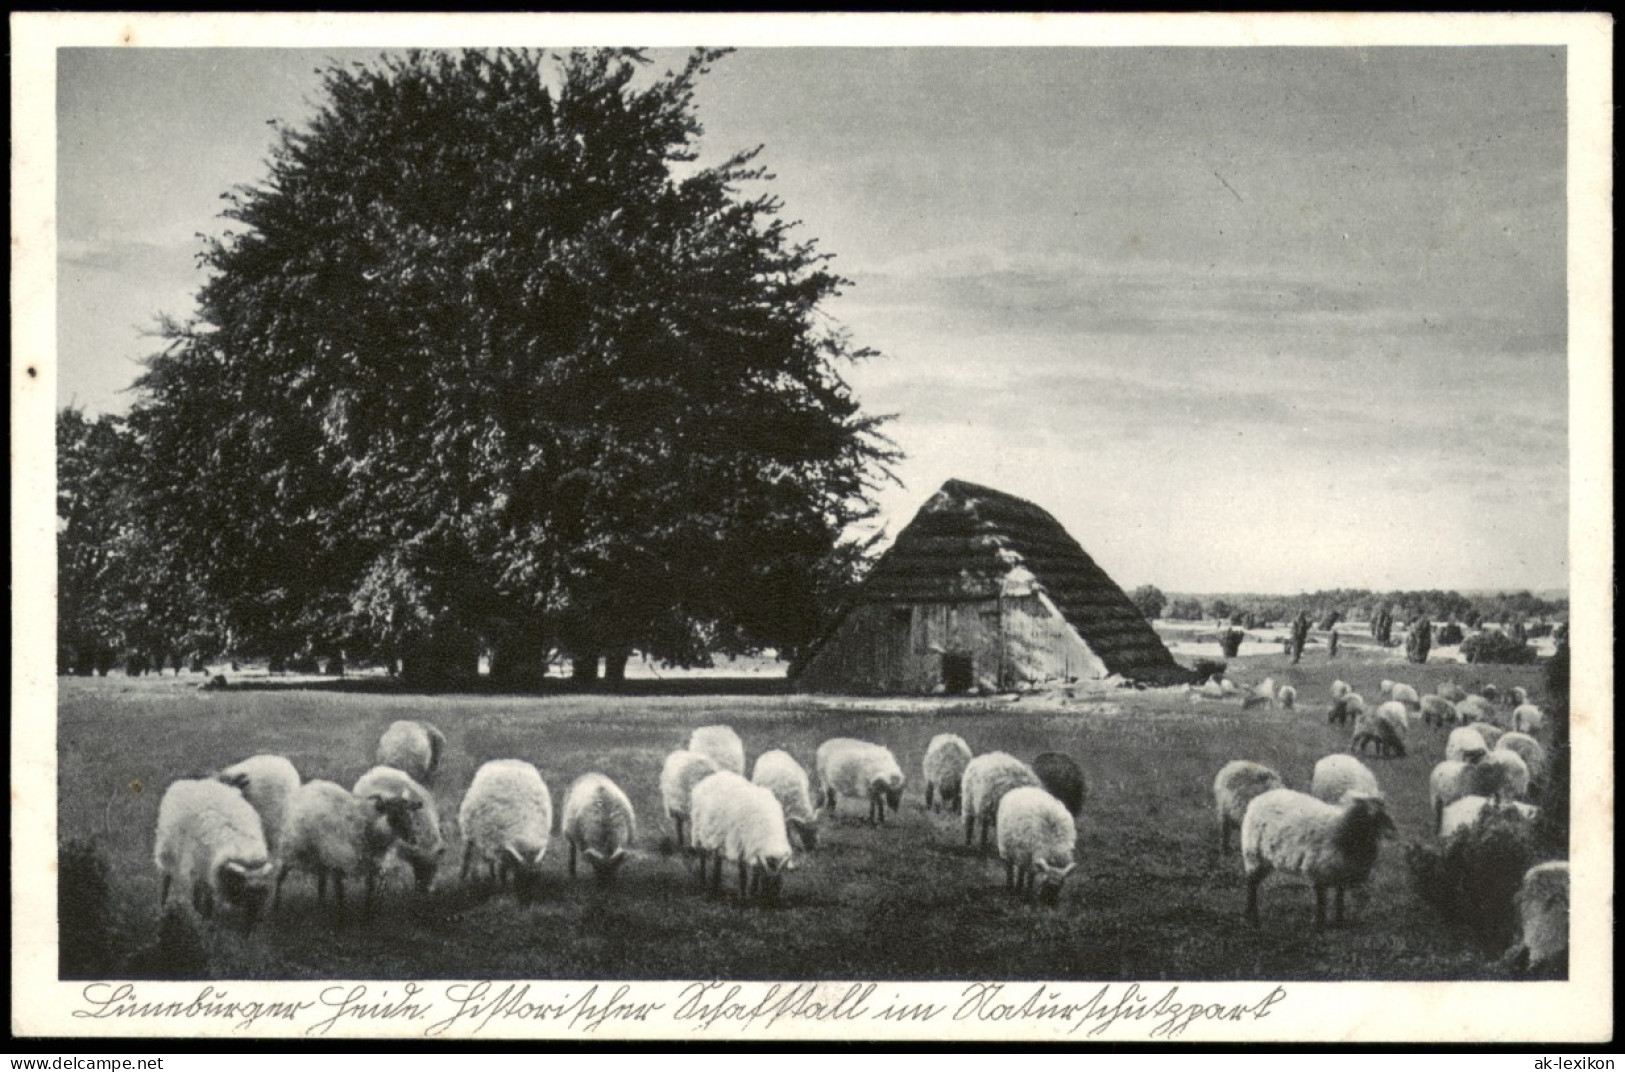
pixel 1523 610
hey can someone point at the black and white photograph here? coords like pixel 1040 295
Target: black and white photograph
pixel 1074 529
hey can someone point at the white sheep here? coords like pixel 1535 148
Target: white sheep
pixel 681 772
pixel 851 768
pixel 267 782
pixel 1460 814
pixel 987 779
pixel 1475 708
pixel 1335 846
pixel 779 773
pixel 1465 745
pixel 1386 688
pixel 1530 751
pixel 1037 839
pixel 1502 773
pixel 1543 922
pixel 1490 731
pixel 1438 711
pixel 1340 689
pixel 722 744
pixel 1346 708
pixel 1404 694
pixel 1338 775
pixel 599 823
pixel 413 747
pixel 1527 718
pixel 507 818
pixel 329 831
pixel 1288 697
pixel 944 767
pixel 1385 727
pixel 1452 692
pixel 1490 693
pixel 422 850
pixel 1449 782
pixel 1235 786
pixel 743 823
pixel 1261 695
pixel 211 845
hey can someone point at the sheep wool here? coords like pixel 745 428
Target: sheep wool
pixel 1338 775
pixel 1475 709
pixel 1404 694
pixel 1465 745
pixel 1527 718
pixel 599 824
pixel 1530 751
pixel 1385 728
pixel 1520 695
pixel 1448 783
pixel 742 823
pixel 1463 813
pixel 1235 786
pixel 987 779
pixel 421 851
pixel 1438 711
pixel 210 845
pixel 722 744
pixel 1452 692
pixel 267 782
pixel 1340 689
pixel 1501 773
pixel 1288 697
pixel 1490 731
pixel 413 747
pixel 681 772
pixel 944 768
pixel 1062 778
pixel 331 832
pixel 1541 949
pixel 852 768
pixel 1346 708
pixel 507 818
pixel 1334 846
pixel 1037 839
pixel 779 773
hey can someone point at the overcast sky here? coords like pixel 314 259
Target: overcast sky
pixel 1242 319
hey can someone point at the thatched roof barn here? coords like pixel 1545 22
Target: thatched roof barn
pixel 984 591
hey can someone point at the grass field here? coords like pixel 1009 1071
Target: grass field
pixel 1151 899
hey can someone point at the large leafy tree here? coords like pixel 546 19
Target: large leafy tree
pixel 487 354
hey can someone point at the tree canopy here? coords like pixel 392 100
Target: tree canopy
pixel 488 353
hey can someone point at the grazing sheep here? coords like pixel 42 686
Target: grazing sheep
pixel 1490 693
pixel 421 851
pixel 1475 709
pixel 1338 775
pixel 1452 692
pixel 722 744
pixel 211 843
pixel 1340 689
pixel 507 818
pixel 1288 696
pixel 1404 694
pixel 1228 687
pixel 1385 728
pixel 1062 778
pixel 1212 689
pixel 1237 783
pixel 1487 730
pixel 1532 754
pixel 987 778
pixel 1449 782
pixel 413 747
pixel 1386 688
pixel 266 782
pixel 1335 846
pixel 1542 947
pixel 1346 708
pixel 1465 745
pixel 1037 839
pixel 1520 696
pixel 1438 711
pixel 779 773
pixel 330 831
pixel 1501 773
pixel 1261 695
pixel 1527 718
pixel 735 820
pixel 851 768
pixel 1465 812
pixel 682 771
pixel 599 824
pixel 944 766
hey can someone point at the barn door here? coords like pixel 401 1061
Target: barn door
pixel 958 671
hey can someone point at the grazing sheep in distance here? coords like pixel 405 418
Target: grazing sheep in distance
pixel 1529 750
pixel 1335 846
pixel 1062 778
pixel 1465 812
pixel 1384 727
pixel 1487 730
pixel 1501 773
pixel 412 747
pixel 1338 775
pixel 1474 878
pixel 329 831
pixel 1449 782
pixel 779 773
pixel 1261 695
pixel 599 824
pixel 1542 947
pixel 735 820
pixel 1465 745
pixel 722 744
pixel 1452 692
pixel 1490 693
pixel 851 768
pixel 1527 718
pixel 267 782
pixel 1438 711
pixel 1235 786
pixel 421 851
pixel 987 779
pixel 1475 709
pixel 682 771
pixel 507 818
pixel 944 766
pixel 1404 694
pixel 1340 689
pixel 211 844
pixel 1288 696
pixel 1346 708
pixel 1037 839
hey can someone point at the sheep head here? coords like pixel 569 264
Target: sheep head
pixel 770 872
pixel 806 830
pixel 605 867
pixel 526 870
pixel 1049 879
pixel 246 885
pixel 890 789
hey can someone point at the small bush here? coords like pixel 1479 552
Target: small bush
pixel 1493 647
pixel 1207 668
pixel 1230 643
pixel 1450 633
pixel 88 943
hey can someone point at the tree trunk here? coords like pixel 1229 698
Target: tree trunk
pixel 615 665
pixel 584 669
pixel 519 658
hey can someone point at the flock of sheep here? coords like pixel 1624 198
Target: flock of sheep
pixel 1330 835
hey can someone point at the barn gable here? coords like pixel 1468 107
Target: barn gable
pixel 971 548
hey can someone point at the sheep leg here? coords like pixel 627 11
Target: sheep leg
pixel 984 835
pixel 1009 875
pixel 338 892
pixel 1338 896
pixel 1320 905
pixel 468 861
pixel 970 822
pixel 321 885
pixel 1224 834
pixel 678 820
pixel 572 859
pixel 1254 879
pixel 370 891
pixel 716 870
pixel 163 894
pixel 930 790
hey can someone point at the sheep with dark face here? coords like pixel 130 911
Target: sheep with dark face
pixel 1335 846
pixel 331 832
pixel 1346 708
pixel 945 760
pixel 852 768
pixel 1383 728
pixel 1438 711
pixel 1060 774
pixel 211 845
pixel 422 849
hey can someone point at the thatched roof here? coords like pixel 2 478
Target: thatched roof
pixel 972 542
